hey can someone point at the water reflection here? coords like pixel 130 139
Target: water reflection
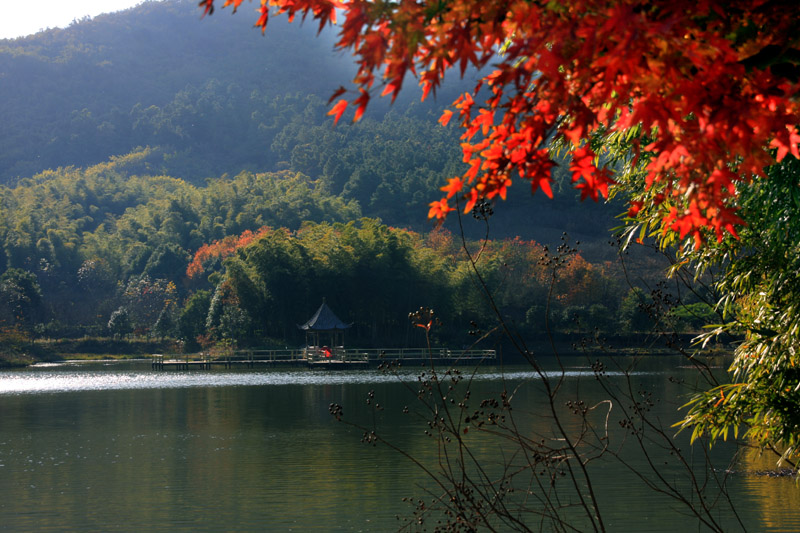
pixel 777 499
pixel 99 447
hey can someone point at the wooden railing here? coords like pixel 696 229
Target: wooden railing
pixel 378 354
pixel 313 355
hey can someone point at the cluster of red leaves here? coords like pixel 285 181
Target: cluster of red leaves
pixel 699 77
pixel 222 248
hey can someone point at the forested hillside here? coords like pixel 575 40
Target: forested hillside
pixel 113 250
pixel 160 76
pixel 156 74
pixel 136 139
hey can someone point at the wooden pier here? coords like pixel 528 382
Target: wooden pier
pixel 319 358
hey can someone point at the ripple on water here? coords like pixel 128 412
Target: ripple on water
pixel 72 377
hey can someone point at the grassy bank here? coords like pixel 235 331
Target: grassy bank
pixel 16 350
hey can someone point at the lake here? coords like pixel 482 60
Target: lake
pixel 119 446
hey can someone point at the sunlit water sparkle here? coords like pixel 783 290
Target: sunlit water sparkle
pixel 75 376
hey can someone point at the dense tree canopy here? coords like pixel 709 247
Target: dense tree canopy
pixel 373 274
pixel 111 249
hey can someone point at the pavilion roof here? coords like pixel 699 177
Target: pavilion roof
pixel 324 320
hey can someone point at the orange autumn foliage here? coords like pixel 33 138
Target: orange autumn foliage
pixel 708 87
pixel 222 248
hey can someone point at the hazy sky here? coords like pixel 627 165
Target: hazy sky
pixel 23 17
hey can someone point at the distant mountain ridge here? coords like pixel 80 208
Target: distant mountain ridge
pixel 79 95
pixel 212 97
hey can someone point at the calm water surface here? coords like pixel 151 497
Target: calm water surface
pixel 118 446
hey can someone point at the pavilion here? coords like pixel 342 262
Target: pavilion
pixel 324 325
